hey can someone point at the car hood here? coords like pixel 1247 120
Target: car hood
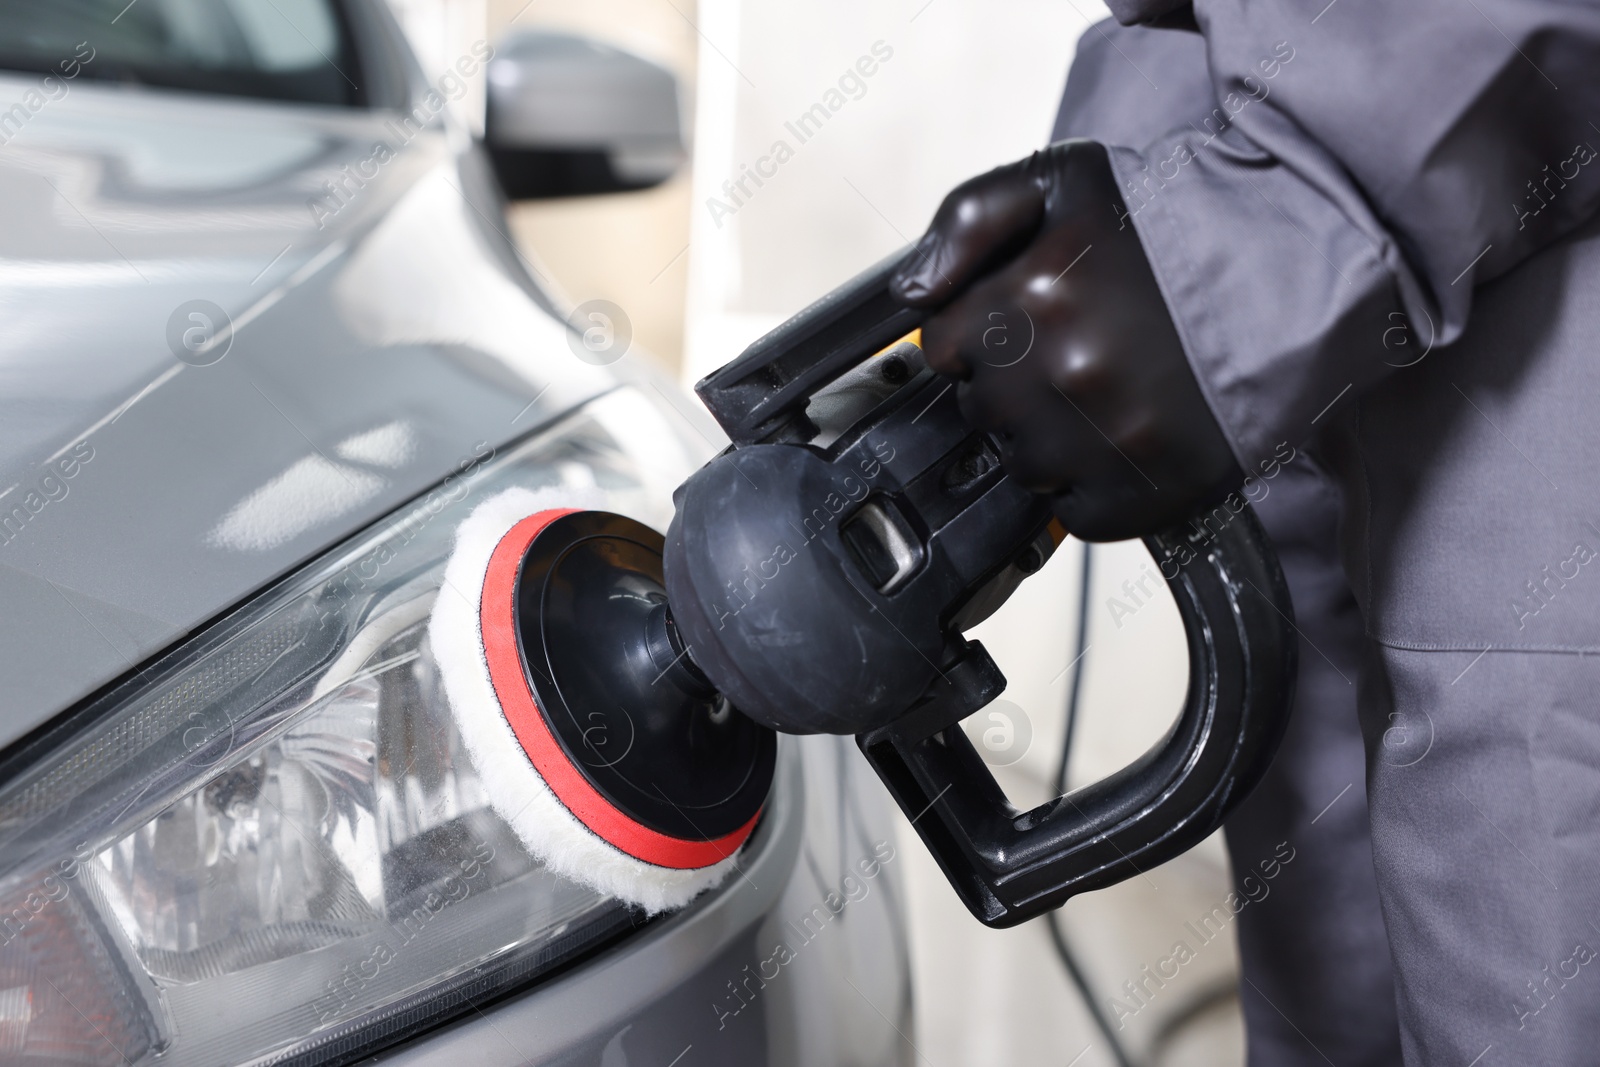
pixel 382 333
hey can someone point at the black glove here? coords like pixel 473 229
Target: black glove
pixel 1052 320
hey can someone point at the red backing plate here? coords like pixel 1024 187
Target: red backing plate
pixel 497 616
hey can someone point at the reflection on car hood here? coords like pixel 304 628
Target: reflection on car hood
pixel 382 333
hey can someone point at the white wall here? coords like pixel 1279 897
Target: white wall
pixel 969 85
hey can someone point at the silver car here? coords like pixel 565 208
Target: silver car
pixel 264 342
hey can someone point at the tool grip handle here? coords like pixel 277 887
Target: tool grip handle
pixel 1008 865
pixel 767 388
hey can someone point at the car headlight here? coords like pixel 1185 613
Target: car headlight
pixel 269 845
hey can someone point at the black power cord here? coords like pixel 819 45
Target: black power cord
pixel 1069 961
pixel 1209 998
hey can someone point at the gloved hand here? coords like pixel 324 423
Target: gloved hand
pixel 1051 318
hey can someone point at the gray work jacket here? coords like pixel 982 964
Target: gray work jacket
pixel 1379 217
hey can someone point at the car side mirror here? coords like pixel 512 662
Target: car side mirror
pixel 569 116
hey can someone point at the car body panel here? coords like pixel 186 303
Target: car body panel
pixel 385 332
pixel 373 349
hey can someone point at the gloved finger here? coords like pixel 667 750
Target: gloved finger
pixel 1101 512
pixel 1048 442
pixel 999 321
pixel 943 340
pixel 981 222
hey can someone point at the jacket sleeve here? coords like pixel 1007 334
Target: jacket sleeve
pixel 1113 95
pixel 1366 163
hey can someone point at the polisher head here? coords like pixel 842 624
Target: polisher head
pixel 597 741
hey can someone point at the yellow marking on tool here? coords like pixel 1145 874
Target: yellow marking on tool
pixel 912 338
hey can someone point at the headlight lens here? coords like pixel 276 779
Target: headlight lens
pixel 270 846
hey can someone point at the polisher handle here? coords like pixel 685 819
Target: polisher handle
pixel 1008 865
pixel 766 389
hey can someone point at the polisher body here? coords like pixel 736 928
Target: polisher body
pixel 821 573
pixel 817 586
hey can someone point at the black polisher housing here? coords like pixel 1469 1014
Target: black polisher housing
pixel 613 685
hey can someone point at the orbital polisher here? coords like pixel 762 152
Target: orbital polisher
pixel 620 691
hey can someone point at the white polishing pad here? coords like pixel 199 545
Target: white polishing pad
pixel 517 791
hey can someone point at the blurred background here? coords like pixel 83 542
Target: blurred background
pixel 767 211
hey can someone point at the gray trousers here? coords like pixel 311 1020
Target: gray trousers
pixel 1316 983
pixel 1468 492
pixel 1471 498
pixel 1477 861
